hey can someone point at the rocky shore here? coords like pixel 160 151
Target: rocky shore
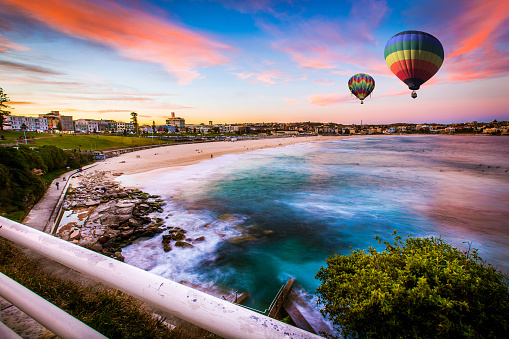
pixel 103 216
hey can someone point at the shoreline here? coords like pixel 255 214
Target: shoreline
pixel 188 154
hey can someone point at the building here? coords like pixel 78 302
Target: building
pixel 15 123
pixel 54 118
pixel 177 122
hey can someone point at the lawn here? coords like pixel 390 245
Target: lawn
pixel 78 142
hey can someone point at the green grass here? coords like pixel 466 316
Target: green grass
pixel 83 142
pixel 110 312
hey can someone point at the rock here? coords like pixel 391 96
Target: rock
pixel 92 202
pixel 178 236
pixel 104 239
pixel 183 244
pixel 206 225
pixel 241 239
pixel 268 232
pixel 114 220
pixel 199 239
pixel 75 234
pixel 122 195
pixel 97 247
pixel 226 217
pixel 166 247
pixel 126 233
pixel 134 223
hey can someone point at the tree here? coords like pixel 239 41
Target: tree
pixel 3 108
pixel 134 120
pixel 59 126
pixel 24 128
pixel 421 288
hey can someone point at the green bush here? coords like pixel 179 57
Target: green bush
pixel 20 188
pixel 419 288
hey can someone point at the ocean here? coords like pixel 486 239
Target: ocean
pixel 299 204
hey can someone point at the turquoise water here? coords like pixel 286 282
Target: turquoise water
pixel 316 199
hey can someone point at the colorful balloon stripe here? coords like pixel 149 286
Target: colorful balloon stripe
pixel 361 85
pixel 414 57
pixel 415 45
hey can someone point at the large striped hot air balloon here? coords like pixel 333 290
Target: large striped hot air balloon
pixel 361 85
pixel 414 57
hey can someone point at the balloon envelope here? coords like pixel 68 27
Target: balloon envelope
pixel 361 85
pixel 414 57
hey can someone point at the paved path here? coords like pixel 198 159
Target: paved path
pixel 41 217
pixel 43 214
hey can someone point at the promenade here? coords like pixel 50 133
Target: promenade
pixel 42 217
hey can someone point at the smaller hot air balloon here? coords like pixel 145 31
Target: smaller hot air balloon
pixel 361 85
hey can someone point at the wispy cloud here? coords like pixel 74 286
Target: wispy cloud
pixel 290 101
pixel 20 103
pixel 329 44
pixel 7 46
pixel 324 81
pixel 478 35
pixel 9 66
pixel 474 34
pixel 133 33
pixel 329 99
pixel 268 77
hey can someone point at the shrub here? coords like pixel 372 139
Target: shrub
pixel 419 287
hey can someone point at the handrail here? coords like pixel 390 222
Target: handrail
pixel 218 316
pixel 45 313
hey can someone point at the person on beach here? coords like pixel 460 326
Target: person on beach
pixel 56 184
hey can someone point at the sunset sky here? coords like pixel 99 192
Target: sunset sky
pixel 249 61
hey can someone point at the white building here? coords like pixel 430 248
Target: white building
pixel 15 123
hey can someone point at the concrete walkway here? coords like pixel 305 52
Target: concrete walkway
pixel 43 215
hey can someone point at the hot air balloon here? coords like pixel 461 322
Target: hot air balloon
pixel 414 57
pixel 361 85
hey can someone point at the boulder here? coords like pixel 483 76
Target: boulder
pixel 241 239
pixel 183 244
pixel 226 217
pixel 199 239
pixel 97 247
pixel 178 236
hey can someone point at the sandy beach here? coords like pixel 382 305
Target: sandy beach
pixel 182 155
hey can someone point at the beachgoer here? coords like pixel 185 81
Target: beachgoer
pixel 63 179
pixel 56 184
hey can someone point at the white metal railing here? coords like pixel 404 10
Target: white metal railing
pixel 211 313
pixel 44 312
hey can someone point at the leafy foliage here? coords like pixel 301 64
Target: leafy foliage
pixel 3 108
pixel 419 287
pixel 20 188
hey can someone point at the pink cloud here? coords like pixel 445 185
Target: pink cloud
pixel 133 33
pixel 269 77
pixel 320 43
pixel 290 101
pixel 329 99
pixel 7 46
pixel 473 42
pixel 324 81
